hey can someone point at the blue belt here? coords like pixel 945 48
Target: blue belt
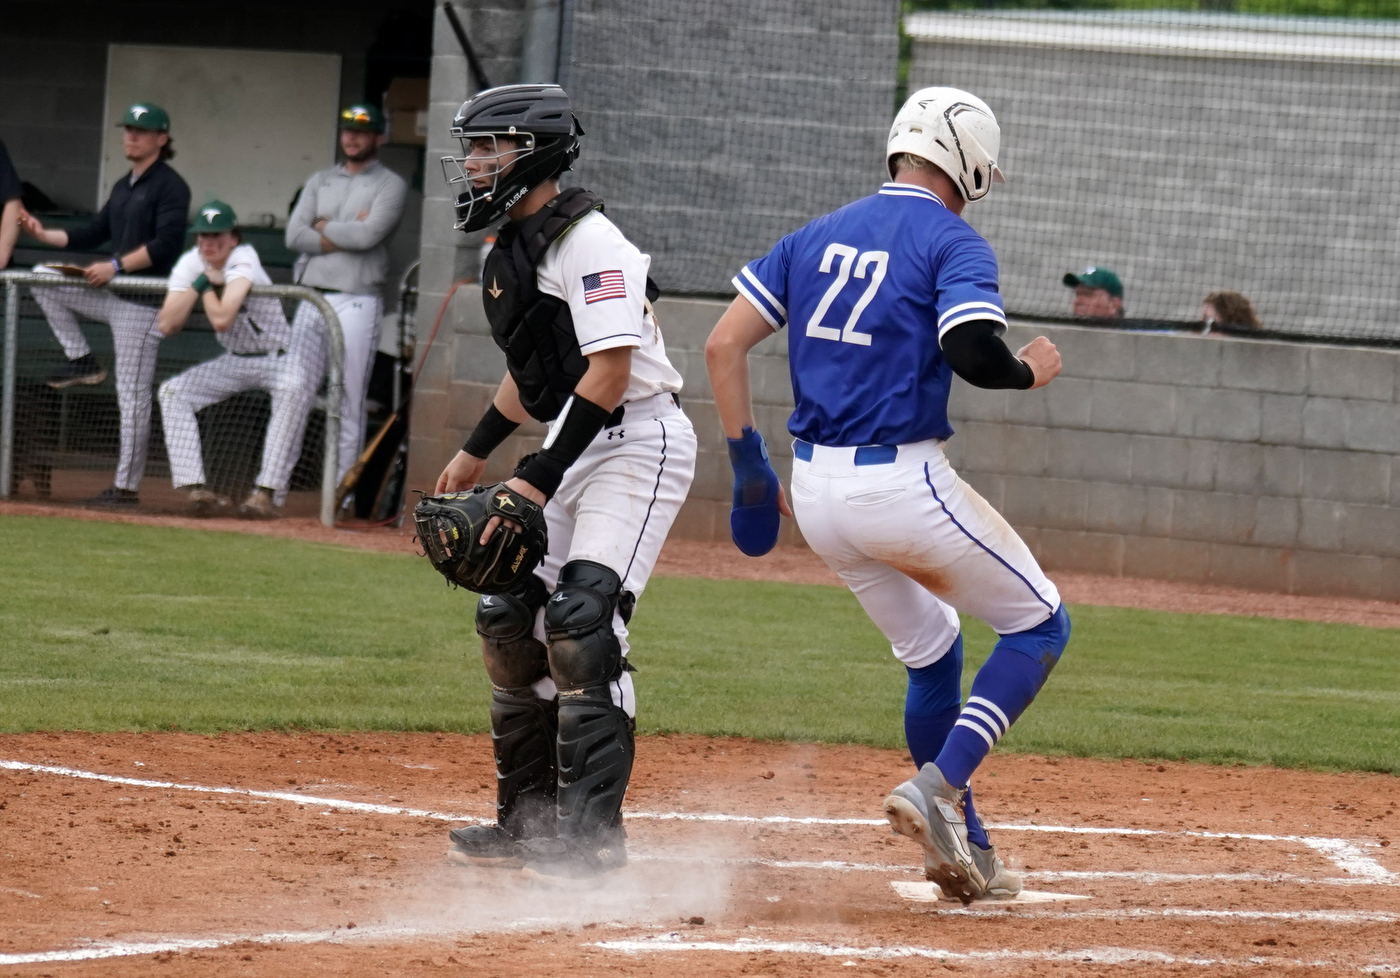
pixel 865 454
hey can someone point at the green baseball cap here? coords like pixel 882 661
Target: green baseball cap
pixel 214 217
pixel 1096 277
pixel 146 115
pixel 362 117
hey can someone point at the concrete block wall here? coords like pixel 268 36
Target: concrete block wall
pixel 717 126
pixel 1239 462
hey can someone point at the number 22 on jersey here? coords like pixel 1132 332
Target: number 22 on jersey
pixel 869 265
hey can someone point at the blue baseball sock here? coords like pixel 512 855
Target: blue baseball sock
pixel 932 705
pixel 1005 685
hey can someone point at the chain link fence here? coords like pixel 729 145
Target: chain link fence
pixel 95 400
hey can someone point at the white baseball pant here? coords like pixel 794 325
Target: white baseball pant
pixel 359 324
pixel 616 506
pixel 287 377
pixel 916 545
pixel 135 343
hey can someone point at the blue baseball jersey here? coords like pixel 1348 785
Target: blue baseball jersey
pixel 870 290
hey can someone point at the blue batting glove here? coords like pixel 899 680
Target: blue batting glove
pixel 753 522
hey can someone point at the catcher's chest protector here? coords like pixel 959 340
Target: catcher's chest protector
pixel 535 330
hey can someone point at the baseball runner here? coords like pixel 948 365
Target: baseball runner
pixel 144 219
pixel 890 296
pixel 341 224
pixel 568 298
pixel 263 353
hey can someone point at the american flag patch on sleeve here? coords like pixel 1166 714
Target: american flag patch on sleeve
pixel 604 285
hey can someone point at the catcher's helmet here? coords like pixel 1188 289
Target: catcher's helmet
pixel 543 131
pixel 956 132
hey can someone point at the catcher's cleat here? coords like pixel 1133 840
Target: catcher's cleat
pixel 929 810
pixel 484 845
pixel 259 505
pixel 566 861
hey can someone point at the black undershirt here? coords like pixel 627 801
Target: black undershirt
pixel 977 354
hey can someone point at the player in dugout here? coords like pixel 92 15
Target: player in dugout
pixel 11 207
pixel 262 353
pixel 144 221
pixel 341 224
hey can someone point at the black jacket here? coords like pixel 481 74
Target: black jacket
pixel 153 213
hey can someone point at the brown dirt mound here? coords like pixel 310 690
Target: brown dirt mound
pixel 277 875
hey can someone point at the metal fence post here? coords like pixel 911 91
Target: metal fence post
pixel 7 399
pixel 335 393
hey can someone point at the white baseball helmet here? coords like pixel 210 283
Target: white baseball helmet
pixel 956 132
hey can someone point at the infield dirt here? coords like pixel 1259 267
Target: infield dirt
pixel 91 863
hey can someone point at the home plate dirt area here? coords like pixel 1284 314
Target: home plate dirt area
pixel 308 854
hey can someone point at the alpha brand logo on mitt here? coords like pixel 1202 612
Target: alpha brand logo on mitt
pixel 450 527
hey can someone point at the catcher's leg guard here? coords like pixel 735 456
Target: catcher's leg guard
pixel 595 736
pixel 523 728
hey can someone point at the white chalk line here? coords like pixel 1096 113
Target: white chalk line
pixel 1096 955
pixel 1348 855
pixel 1149 877
pixel 124 949
pixel 1149 913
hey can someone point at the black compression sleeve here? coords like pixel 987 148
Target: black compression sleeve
pixel 582 421
pixel 493 428
pixel 977 354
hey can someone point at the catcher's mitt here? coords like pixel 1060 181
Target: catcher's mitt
pixel 450 528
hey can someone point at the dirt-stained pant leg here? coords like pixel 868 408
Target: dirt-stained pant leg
pixel 916 517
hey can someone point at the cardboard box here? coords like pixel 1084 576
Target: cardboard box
pixel 406 110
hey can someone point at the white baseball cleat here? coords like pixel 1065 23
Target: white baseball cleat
pixel 929 810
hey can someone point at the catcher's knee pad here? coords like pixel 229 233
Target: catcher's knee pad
pixel 596 748
pixel 514 658
pixel 523 733
pixel 578 618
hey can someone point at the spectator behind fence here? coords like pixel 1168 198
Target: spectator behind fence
pixel 1098 293
pixel 341 224
pixel 144 219
pixel 1229 309
pixel 263 353
pixel 11 207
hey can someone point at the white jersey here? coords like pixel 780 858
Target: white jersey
pixel 603 277
pixel 261 326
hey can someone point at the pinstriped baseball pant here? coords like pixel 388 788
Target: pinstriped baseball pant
pixel 135 342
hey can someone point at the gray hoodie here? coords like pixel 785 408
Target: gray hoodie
pixel 340 197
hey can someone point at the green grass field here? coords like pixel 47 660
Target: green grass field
pixel 115 627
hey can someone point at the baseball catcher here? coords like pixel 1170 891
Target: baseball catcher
pixel 569 303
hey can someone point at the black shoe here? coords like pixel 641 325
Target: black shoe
pixel 84 370
pixel 484 845
pixel 573 860
pixel 113 498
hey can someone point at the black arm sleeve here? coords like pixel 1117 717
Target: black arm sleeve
pixel 545 469
pixel 977 354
